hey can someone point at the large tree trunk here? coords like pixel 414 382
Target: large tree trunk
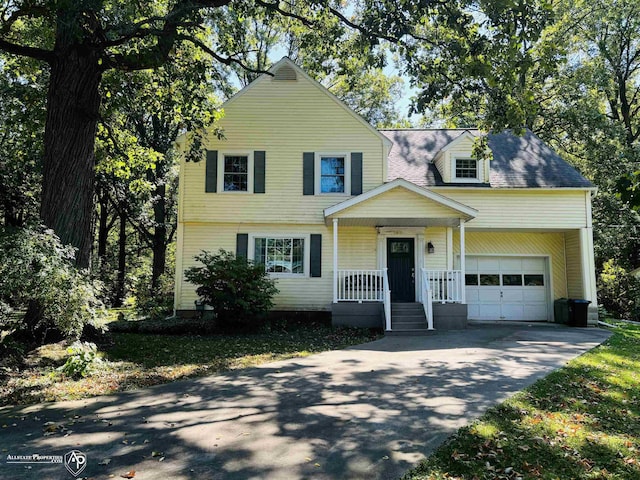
pixel 122 259
pixel 73 102
pixel 159 239
pixel 103 225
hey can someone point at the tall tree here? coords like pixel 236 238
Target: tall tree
pixel 79 41
pixel 484 63
pixel 591 114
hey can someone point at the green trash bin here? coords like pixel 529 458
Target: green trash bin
pixel 561 311
pixel 579 312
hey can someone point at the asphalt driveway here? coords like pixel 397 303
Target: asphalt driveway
pixel 370 411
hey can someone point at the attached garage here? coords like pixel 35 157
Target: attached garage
pixel 507 288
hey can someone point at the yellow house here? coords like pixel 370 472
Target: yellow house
pixel 402 229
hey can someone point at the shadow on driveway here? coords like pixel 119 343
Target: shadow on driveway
pixel 370 411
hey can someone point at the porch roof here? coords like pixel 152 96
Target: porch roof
pixel 400 203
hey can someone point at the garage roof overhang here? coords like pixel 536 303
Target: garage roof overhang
pixel 386 206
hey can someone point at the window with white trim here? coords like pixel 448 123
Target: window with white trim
pixel 235 172
pixel 333 173
pixel 466 168
pixel 281 255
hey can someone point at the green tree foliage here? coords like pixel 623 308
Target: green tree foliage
pixel 22 113
pixel 619 292
pixel 35 268
pixel 482 63
pixel 144 114
pixel 336 55
pixel 240 292
pixel 590 115
pixel 80 41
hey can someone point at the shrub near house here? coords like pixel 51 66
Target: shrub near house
pixel 238 291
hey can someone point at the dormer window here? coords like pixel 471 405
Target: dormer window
pixel 466 168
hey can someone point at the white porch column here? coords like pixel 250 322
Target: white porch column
pixel 335 260
pixel 588 266
pixel 462 263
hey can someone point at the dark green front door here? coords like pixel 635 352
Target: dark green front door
pixel 401 265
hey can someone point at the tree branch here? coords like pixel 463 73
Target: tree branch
pixel 230 60
pixel 22 50
pixel 166 37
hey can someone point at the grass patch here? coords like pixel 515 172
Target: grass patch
pixel 137 360
pixel 580 422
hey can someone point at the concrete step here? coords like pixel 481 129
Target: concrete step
pixel 409 324
pixel 408 312
pixel 408 316
pixel 406 306
pixel 410 332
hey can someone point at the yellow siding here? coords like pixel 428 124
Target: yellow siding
pixel 438 237
pixel 295 293
pixel 357 248
pixel 512 209
pixel 284 119
pixel 511 243
pixel 574 271
pixel 399 203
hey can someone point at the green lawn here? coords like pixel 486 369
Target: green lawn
pixel 581 422
pixel 142 359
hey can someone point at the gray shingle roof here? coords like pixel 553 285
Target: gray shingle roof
pixel 518 162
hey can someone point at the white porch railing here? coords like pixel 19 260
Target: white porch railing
pixel 360 286
pixel 445 285
pixel 365 286
pixel 427 299
pixel 387 300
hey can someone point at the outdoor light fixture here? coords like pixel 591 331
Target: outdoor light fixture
pixel 430 248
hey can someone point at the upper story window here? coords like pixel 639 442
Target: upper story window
pixel 236 173
pixel 332 174
pixel 466 168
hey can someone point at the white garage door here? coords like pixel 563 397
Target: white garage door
pixel 507 288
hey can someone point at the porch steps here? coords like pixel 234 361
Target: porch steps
pixel 408 319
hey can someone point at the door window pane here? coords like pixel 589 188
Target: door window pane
pixel 471 279
pixel 400 247
pixel 489 280
pixel 512 280
pixel 534 280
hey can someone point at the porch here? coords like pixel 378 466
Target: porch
pixel 401 292
pixel 364 299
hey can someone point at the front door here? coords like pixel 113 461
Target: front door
pixel 401 265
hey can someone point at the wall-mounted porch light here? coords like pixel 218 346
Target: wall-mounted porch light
pixel 430 248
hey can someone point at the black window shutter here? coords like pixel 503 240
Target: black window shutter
pixel 211 175
pixel 308 181
pixel 242 244
pixel 258 171
pixel 315 250
pixel 356 173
